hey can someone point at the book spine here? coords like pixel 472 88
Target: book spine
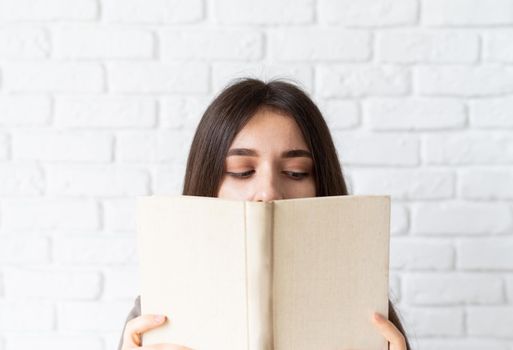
pixel 258 218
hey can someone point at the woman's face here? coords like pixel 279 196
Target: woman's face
pixel 268 160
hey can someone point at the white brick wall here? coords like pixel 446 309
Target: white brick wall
pixel 99 100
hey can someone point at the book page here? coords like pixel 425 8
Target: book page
pixel 193 259
pixel 330 272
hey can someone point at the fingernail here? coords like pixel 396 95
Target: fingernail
pixel 378 317
pixel 159 318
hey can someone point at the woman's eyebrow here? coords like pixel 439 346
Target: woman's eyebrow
pixel 252 153
pixel 296 153
pixel 242 152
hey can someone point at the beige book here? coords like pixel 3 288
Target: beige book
pixel 293 274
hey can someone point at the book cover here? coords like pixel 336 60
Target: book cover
pixel 293 274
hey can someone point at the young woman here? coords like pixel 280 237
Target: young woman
pixel 261 141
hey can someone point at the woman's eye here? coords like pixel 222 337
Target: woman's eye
pixel 296 175
pixel 242 175
pixel 293 174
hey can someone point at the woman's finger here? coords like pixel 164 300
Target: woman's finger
pixel 390 332
pixel 136 326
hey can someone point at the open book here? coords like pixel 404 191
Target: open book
pixel 293 274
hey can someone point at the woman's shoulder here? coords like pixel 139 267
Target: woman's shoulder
pixel 137 305
pixel 136 309
pixel 134 312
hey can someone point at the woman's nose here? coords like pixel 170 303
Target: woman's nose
pixel 267 189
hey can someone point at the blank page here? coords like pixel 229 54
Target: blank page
pixel 192 258
pixel 330 272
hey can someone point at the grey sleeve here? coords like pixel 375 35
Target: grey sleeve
pixel 136 311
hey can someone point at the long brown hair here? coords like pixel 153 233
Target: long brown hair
pixel 227 115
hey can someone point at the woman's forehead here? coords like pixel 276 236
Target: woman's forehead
pixel 271 129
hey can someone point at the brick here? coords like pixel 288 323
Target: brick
pixel 490 184
pixel 97 41
pixel 153 146
pixel 430 321
pixel 466 12
pixel 53 77
pixel 468 218
pixel 29 249
pixel 119 214
pixel 225 72
pixel 26 315
pixel 368 12
pixel 348 177
pixel 178 112
pixel 111 338
pixel 105 112
pixel 470 343
pixel 168 179
pixel 452 80
pixel 4 146
pixel 340 114
pixel 394 291
pixel 158 77
pixel 404 183
pixel 263 12
pixel 490 321
pixel 399 219
pixel 413 113
pixel 319 44
pixel 420 254
pixel 24 110
pixel 509 288
pixel 358 80
pixel 50 10
pixel 496 47
pixel 121 283
pixel 51 283
pixel 468 148
pixel 491 112
pixel 94 180
pixel 491 253
pixel 21 178
pixel 23 43
pixel 95 316
pixel 374 149
pixel 61 342
pixel 211 44
pixel 424 46
pixel 452 288
pixel 56 145
pixel 115 249
pixel 152 11
pixel 49 213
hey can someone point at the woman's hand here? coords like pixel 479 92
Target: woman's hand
pixel 137 326
pixel 390 332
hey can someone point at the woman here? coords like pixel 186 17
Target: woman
pixel 261 141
